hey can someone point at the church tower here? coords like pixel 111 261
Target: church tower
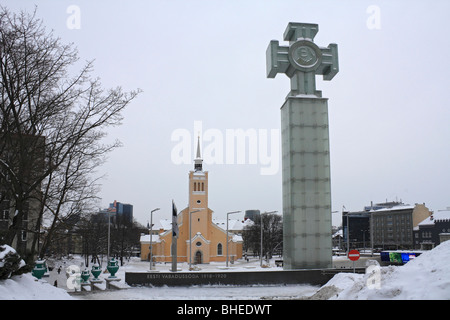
pixel 199 240
pixel 198 197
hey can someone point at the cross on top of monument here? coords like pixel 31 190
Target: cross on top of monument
pixel 302 59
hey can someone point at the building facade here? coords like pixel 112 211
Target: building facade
pixel 200 239
pixel 433 230
pixel 388 225
pixel 392 228
pixel 356 225
pixel 22 166
pixel 123 212
pixel 356 229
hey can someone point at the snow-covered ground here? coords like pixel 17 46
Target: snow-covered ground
pixel 426 277
pixel 27 287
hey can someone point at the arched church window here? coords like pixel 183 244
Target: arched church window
pixel 195 186
pixel 203 186
pixel 219 249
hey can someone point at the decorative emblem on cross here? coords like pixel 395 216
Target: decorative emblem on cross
pixel 302 60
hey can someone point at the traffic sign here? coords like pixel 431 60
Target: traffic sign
pixel 353 255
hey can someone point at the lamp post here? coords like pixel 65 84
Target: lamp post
pixel 364 239
pixel 261 254
pixel 348 234
pixel 190 237
pixel 228 213
pixel 151 229
pixel 109 233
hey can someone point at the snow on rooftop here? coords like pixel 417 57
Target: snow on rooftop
pixel 395 208
pixel 436 216
pixel 233 224
pixel 146 238
pixel 165 224
pixel 248 223
pixel 339 233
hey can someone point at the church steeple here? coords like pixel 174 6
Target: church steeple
pixel 198 161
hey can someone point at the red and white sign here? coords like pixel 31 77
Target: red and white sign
pixel 353 255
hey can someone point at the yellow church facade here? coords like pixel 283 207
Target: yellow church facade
pixel 199 240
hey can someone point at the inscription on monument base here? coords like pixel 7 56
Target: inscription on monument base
pixel 311 276
pixel 172 276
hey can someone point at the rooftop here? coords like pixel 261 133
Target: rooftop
pixel 436 216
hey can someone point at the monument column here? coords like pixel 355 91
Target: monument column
pixel 305 147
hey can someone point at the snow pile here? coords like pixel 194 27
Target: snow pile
pixel 425 278
pixel 23 286
pixel 10 262
pixel 27 287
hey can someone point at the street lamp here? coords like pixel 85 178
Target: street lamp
pixel 228 213
pixel 261 254
pixel 151 229
pixel 348 233
pixel 109 235
pixel 190 237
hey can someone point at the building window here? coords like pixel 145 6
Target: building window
pixel 195 186
pixel 4 215
pixel 203 186
pixel 219 249
pixel 198 244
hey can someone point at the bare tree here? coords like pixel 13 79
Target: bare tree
pixel 272 229
pixel 52 123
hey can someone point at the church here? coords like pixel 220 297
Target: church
pixel 196 227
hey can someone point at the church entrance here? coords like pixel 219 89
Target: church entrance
pixel 198 257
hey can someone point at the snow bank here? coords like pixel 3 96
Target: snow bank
pixel 10 261
pixel 27 287
pixel 425 278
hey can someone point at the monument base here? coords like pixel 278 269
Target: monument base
pixel 312 277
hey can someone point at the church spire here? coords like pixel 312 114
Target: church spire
pixel 198 161
pixel 198 148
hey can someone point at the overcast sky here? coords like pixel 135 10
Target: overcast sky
pixel 202 64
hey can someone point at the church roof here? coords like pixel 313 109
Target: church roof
pixel 233 224
pixel 165 224
pixel 146 239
